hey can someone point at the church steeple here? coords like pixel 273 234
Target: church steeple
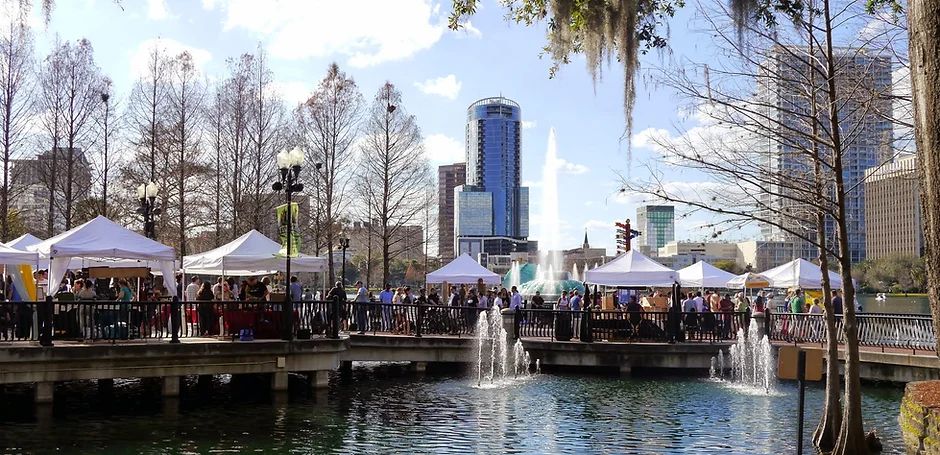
pixel 586 244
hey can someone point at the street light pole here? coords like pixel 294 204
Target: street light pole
pixel 288 164
pixel 147 196
pixel 344 243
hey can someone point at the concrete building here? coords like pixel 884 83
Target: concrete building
pixel 682 254
pixel 491 211
pixel 30 180
pixel 657 226
pixel 449 176
pixel 761 255
pixel 584 255
pixel 892 210
pixel 781 87
pixel 407 242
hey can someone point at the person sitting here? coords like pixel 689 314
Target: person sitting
pixel 635 315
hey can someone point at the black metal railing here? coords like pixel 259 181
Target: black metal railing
pixel 112 321
pixel 46 321
pixel 627 326
pixel 883 330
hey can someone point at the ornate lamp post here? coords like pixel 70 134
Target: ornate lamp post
pixel 288 164
pixel 344 244
pixel 147 196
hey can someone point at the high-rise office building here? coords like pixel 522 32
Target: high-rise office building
pixel 449 176
pixel 892 210
pixel 657 226
pixel 864 110
pixel 492 210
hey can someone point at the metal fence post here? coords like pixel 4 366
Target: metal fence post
pixel 587 335
pixel 45 322
pixel 768 321
pixel 420 320
pixel 334 317
pixel 176 320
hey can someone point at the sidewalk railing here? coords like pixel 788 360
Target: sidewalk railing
pixel 628 326
pixel 882 330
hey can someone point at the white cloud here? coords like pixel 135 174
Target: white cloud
pixel 527 124
pixel 366 31
pixel 445 86
pixel 157 10
pixel 169 47
pixel 443 149
pixel 567 167
pixel 293 92
pixel 598 224
pixel 467 29
pixel 209 5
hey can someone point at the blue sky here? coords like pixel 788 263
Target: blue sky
pixel 440 72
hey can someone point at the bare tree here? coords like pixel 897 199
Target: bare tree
pixel 235 100
pixel 146 110
pixel 82 90
pixel 52 104
pixel 186 97
pixel 16 106
pixel 776 158
pixel 394 172
pixel 107 123
pixel 329 125
pixel 215 118
pixel 266 135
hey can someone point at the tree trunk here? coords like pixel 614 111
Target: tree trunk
pixel 851 438
pixel 924 36
pixel 824 437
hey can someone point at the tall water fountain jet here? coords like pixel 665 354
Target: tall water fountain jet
pixel 515 278
pixel 495 362
pixel 574 272
pixel 752 362
pixel 549 239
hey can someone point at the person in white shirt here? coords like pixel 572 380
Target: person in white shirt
pixel 192 289
pixel 699 302
pixel 362 299
pixel 515 302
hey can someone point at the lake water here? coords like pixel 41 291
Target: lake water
pixel 384 409
pixel 895 304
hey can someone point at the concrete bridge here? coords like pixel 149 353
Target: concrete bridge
pixel 899 348
pixel 22 362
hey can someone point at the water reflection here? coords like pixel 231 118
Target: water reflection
pixel 382 409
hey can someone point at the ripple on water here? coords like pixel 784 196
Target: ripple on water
pixel 382 410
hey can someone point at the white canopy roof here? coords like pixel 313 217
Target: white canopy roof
pixel 24 241
pixel 13 256
pixel 749 280
pixel 703 275
pixel 800 273
pixel 632 269
pixel 463 270
pixel 251 254
pixel 104 239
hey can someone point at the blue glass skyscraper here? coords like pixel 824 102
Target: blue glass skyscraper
pixel 498 206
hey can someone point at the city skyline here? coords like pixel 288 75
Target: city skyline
pixel 409 44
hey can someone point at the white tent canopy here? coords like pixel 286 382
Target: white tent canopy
pixel 632 269
pixel 251 254
pixel 800 273
pixel 102 240
pixel 749 280
pixel 23 242
pixel 13 256
pixel 463 270
pixel 703 275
